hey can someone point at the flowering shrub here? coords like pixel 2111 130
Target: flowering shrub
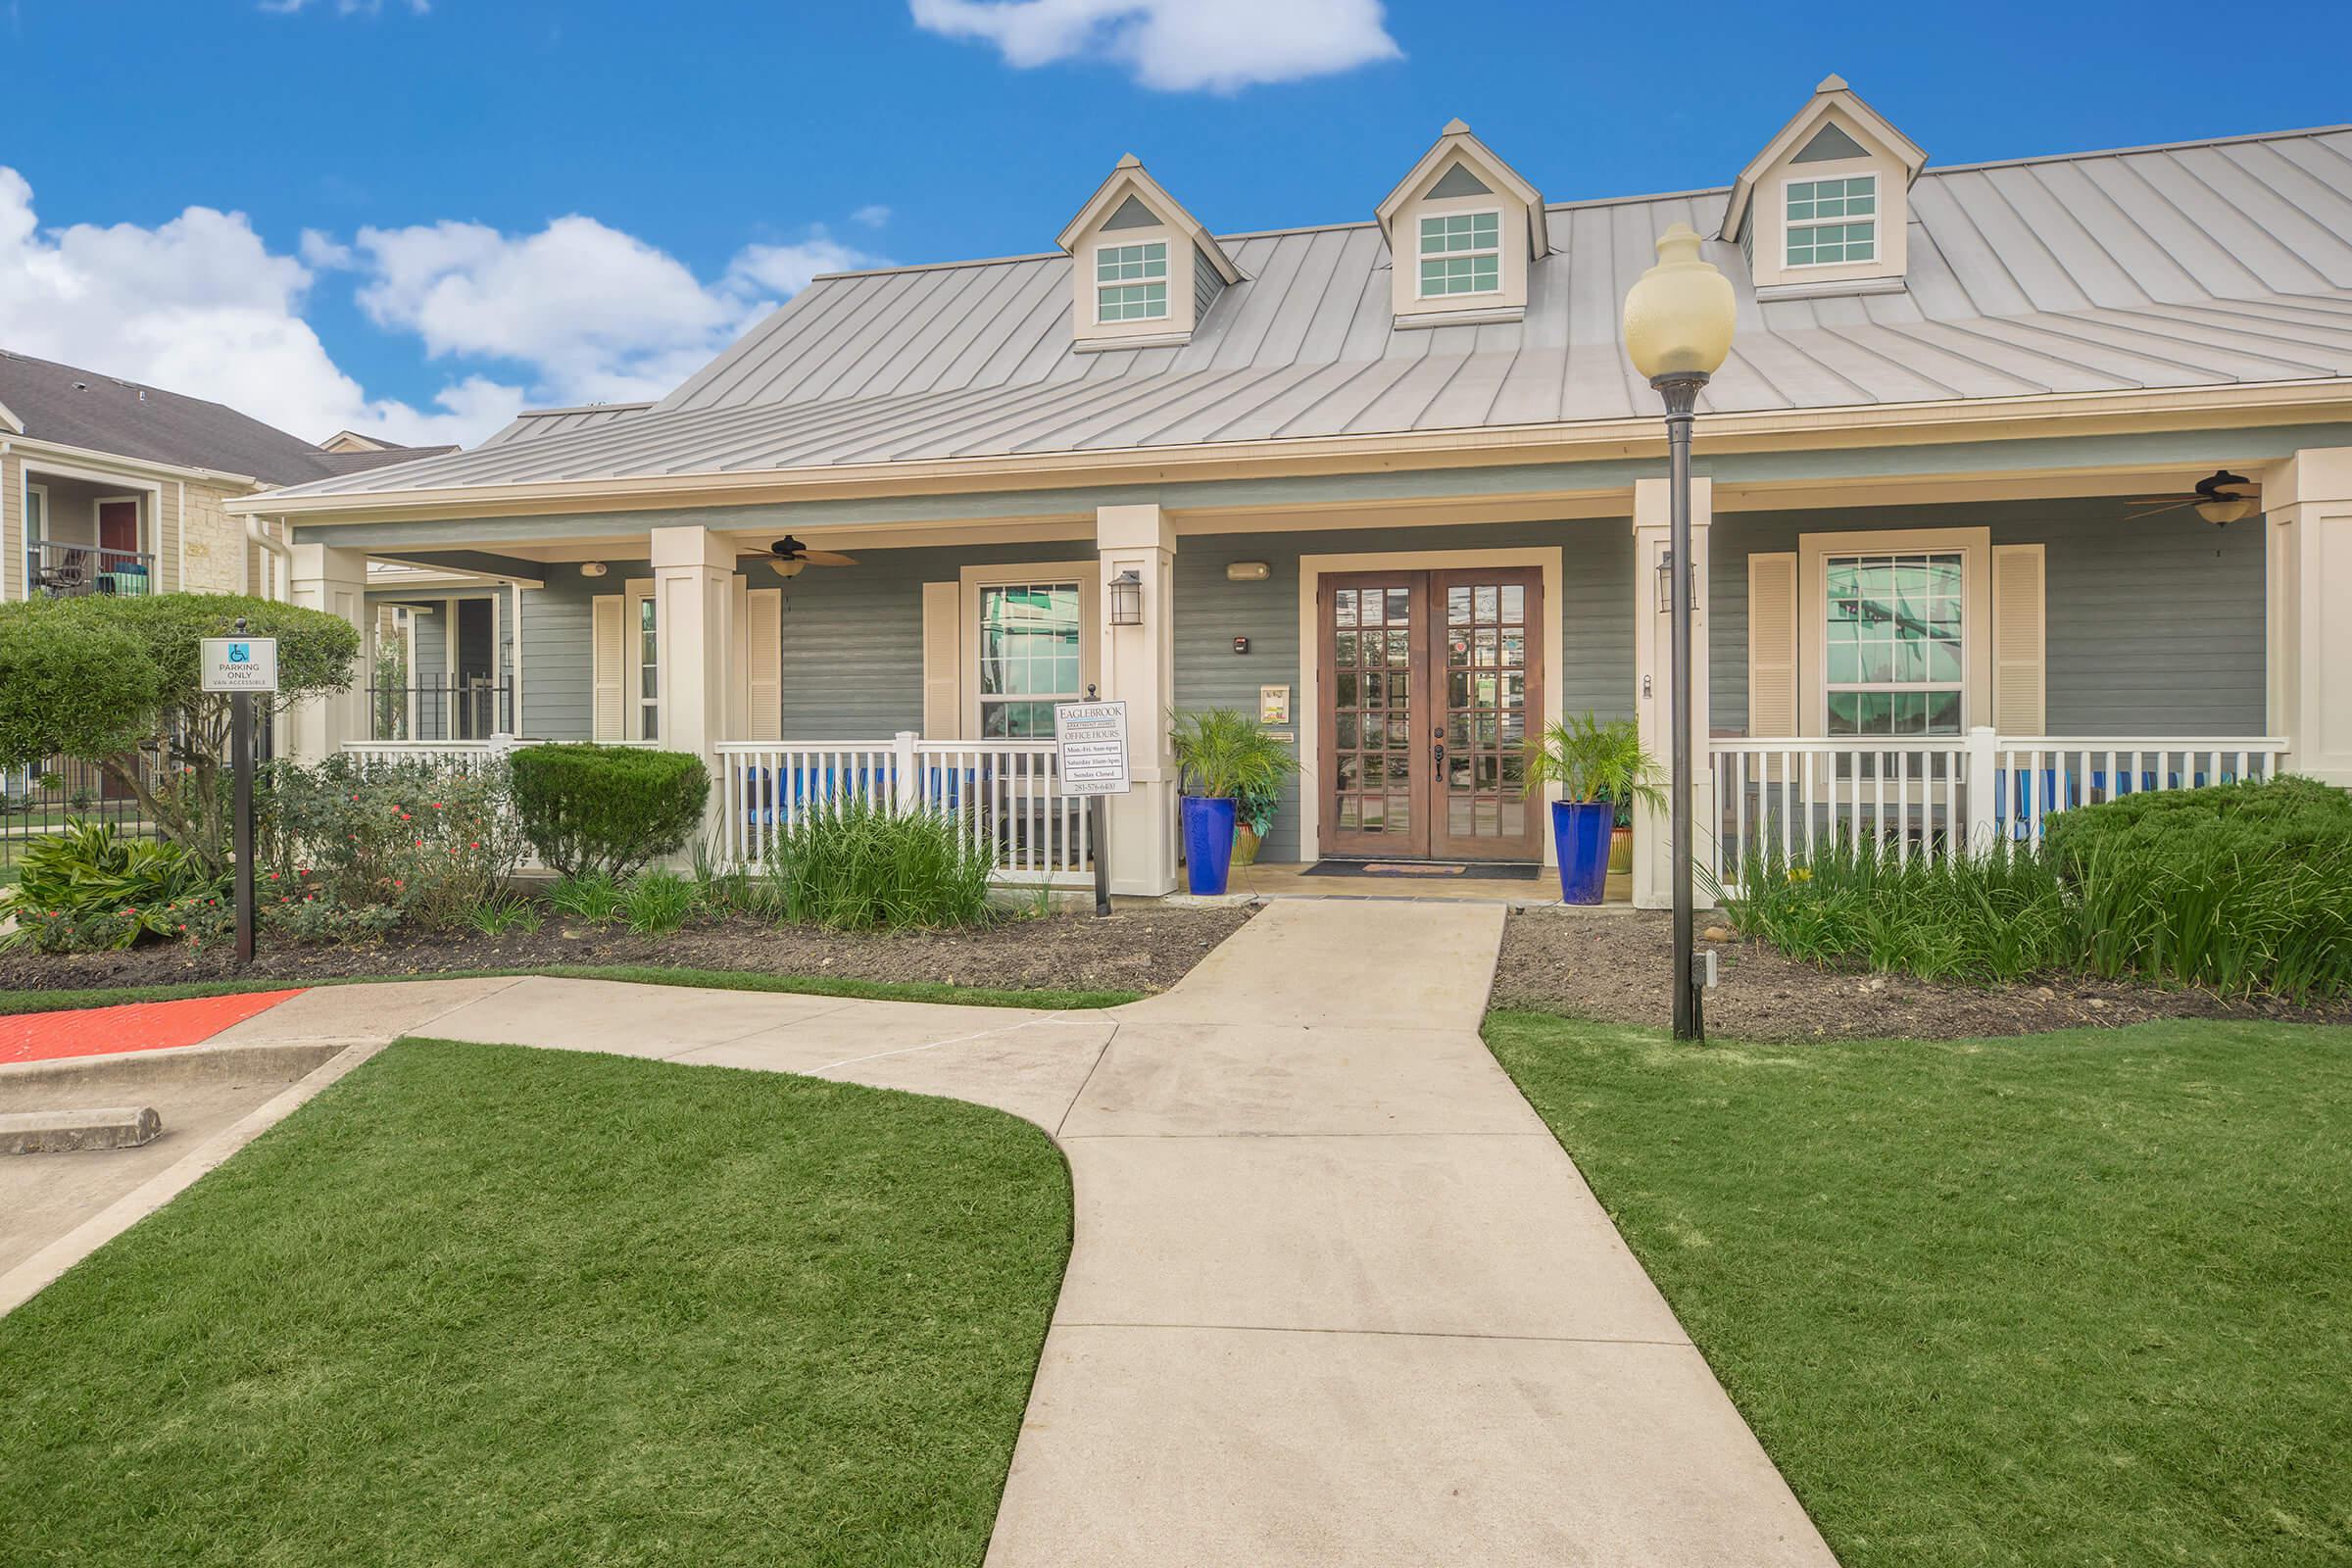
pixel 200 918
pixel 425 842
pixel 89 887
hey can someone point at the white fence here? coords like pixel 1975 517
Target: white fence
pixel 462 756
pixel 1779 799
pixel 1006 797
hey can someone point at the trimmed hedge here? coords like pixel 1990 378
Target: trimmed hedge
pixel 609 809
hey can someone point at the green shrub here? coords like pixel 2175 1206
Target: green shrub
pixel 2243 889
pixel 422 838
pixel 91 888
pixel 116 681
pixel 323 917
pixel 591 896
pixel 503 912
pixel 2239 887
pixel 656 902
pixel 607 809
pixel 866 865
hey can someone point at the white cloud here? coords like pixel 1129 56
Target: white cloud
pixel 576 311
pixel 200 305
pixel 1176 45
pixel 873 217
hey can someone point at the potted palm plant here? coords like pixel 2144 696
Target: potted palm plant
pixel 1223 758
pixel 1602 768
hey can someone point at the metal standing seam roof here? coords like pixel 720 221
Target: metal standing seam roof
pixel 2198 264
pixel 532 424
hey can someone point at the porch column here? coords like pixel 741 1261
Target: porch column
pixel 1653 697
pixel 2307 503
pixel 1139 669
pixel 322 577
pixel 693 615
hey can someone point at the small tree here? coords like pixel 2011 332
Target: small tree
pixel 117 681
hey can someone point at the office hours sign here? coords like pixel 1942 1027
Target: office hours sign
pixel 1092 739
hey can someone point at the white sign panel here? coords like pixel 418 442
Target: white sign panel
pixel 1092 738
pixel 240 663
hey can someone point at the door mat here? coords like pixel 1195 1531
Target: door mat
pixel 1497 871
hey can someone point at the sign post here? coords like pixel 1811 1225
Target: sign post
pixel 240 666
pixel 1090 738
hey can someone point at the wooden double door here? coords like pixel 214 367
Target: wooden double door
pixel 1428 682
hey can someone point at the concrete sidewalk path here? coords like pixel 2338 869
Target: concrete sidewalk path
pixel 1336 1297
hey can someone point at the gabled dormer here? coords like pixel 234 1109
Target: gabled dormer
pixel 1463 228
pixel 1823 208
pixel 1143 271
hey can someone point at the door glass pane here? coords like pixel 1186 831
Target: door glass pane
pixel 1372 719
pixel 1486 714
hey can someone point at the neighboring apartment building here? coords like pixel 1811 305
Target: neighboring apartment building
pixel 106 487
pixel 2026 483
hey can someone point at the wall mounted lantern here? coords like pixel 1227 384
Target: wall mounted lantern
pixel 1666 584
pixel 1127 599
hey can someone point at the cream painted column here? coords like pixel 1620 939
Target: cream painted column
pixel 322 577
pixel 694 599
pixel 2307 506
pixel 1653 674
pixel 1139 669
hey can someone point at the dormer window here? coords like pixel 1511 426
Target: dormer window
pixel 1144 272
pixel 1131 282
pixel 1464 231
pixel 1830 221
pixel 1462 253
pixel 1825 207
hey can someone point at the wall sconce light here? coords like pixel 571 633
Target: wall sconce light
pixel 592 569
pixel 1666 584
pixel 1127 599
pixel 1247 572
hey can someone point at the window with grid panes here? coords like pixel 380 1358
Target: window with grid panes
pixel 1895 661
pixel 1462 253
pixel 1131 282
pixel 1029 657
pixel 649 672
pixel 1372 710
pixel 1833 221
pixel 1486 710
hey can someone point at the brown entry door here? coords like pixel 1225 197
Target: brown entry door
pixel 1428 682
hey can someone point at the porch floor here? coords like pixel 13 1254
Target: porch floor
pixel 1281 879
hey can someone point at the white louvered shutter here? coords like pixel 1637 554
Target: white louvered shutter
pixel 2019 659
pixel 606 637
pixel 1772 644
pixel 764 657
pixel 943 660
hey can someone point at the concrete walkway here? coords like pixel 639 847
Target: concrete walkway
pixel 1337 1295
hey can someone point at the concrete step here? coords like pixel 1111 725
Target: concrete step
pixel 64 1132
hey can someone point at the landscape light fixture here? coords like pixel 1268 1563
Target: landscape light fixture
pixel 1679 318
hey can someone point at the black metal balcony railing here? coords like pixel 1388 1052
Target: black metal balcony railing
pixel 64 570
pixel 450 707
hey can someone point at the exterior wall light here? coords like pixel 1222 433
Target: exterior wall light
pixel 1666 583
pixel 1678 331
pixel 592 569
pixel 1127 599
pixel 1247 572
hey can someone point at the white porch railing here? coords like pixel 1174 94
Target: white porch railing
pixel 1779 799
pixel 462 756
pixel 1006 797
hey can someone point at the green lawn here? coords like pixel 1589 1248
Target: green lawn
pixel 479 1304
pixel 2074 1299
pixel 642 974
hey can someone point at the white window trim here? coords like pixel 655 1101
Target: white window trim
pixel 1118 241
pixel 1790 225
pixel 1972 545
pixel 1424 213
pixel 31 538
pixel 1085 574
pixel 1967 643
pixel 636 593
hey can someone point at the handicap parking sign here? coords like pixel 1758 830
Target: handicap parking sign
pixel 240 663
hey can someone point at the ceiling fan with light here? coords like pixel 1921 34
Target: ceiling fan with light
pixel 790 556
pixel 2221 498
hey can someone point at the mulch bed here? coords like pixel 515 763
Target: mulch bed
pixel 1613 968
pixel 1133 950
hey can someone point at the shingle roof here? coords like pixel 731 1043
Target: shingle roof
pixel 2198 264
pixel 99 413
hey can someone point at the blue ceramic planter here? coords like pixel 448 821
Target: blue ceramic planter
pixel 1580 832
pixel 1207 844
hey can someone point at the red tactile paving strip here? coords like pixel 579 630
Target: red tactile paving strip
pixel 133 1026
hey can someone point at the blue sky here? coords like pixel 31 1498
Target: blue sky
pixel 414 218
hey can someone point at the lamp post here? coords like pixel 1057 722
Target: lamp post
pixel 1678 328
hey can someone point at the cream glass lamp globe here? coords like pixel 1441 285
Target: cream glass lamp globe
pixel 1678 315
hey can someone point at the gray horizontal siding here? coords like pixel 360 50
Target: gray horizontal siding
pixel 2154 626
